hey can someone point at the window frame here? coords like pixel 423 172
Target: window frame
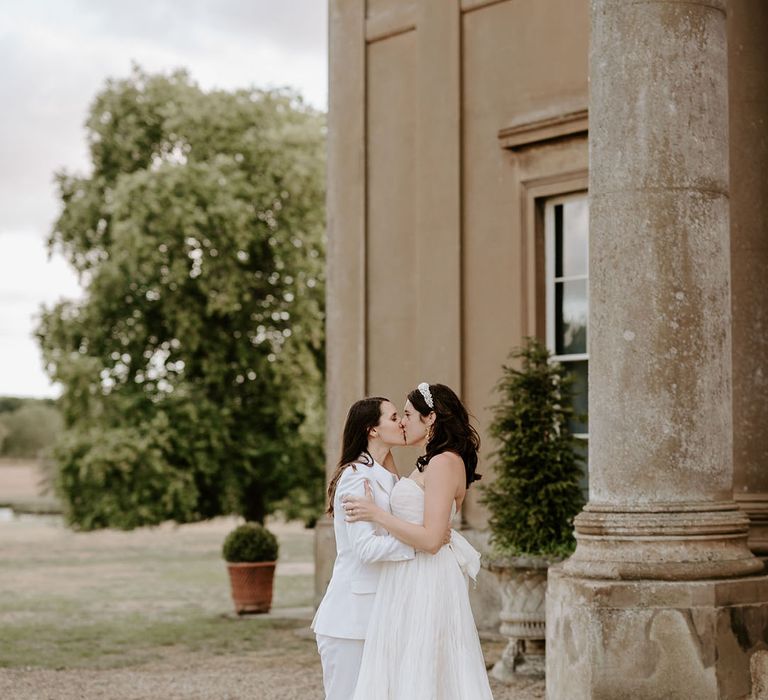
pixel 550 280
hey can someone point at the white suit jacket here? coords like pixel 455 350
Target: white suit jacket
pixel 346 608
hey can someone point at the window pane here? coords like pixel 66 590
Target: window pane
pixel 579 371
pixel 571 317
pixel 558 240
pixel 567 240
pixel 575 229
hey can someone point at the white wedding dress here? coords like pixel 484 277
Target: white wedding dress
pixel 422 642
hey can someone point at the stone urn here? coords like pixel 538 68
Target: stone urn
pixel 523 585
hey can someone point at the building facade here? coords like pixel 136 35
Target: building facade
pixel 457 143
pixel 467 209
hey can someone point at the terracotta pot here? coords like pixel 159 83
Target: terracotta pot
pixel 252 586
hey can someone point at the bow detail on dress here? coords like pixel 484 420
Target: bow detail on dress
pixel 466 555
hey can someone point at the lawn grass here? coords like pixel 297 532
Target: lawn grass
pixel 116 599
pixel 135 639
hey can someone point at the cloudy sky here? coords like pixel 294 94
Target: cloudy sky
pixel 56 54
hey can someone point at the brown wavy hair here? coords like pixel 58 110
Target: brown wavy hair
pixel 362 416
pixel 451 431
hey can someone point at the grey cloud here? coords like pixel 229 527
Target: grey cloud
pixel 290 24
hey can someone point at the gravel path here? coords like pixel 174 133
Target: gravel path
pixel 276 678
pixel 272 675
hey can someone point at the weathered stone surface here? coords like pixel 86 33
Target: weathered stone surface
pixel 667 541
pixel 643 640
pixel 659 338
pixel 758 666
pixel 638 611
pixel 661 476
pixel 658 96
pixel 748 113
pixel 325 556
pixel 659 257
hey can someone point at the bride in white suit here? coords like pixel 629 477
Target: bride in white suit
pixel 422 642
pixel 371 429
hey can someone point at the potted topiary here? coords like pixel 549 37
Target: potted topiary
pixel 250 551
pixel 534 498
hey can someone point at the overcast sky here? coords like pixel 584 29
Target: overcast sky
pixel 56 54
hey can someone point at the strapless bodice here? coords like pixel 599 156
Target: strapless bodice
pixel 407 501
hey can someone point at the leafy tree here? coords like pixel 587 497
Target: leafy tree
pixel 193 366
pixel 536 493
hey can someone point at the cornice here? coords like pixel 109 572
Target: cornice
pixel 537 127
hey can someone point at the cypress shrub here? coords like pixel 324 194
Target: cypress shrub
pixel 536 493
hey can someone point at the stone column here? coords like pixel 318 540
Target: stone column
pixel 660 341
pixel 660 598
pixel 748 93
pixel 345 288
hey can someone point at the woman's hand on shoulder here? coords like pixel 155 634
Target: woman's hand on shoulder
pixel 361 509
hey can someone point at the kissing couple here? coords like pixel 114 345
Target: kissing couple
pixel 395 622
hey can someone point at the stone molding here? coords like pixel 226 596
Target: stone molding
pixel 663 519
pixel 472 5
pixel 755 505
pixel 397 19
pixel 532 129
pixel 673 541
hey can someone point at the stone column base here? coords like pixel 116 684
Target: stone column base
pixel 325 556
pixel 644 640
pixel 755 505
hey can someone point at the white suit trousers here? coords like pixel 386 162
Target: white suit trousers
pixel 341 660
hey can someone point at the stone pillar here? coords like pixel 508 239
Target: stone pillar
pixel 345 287
pixel 660 342
pixel 660 598
pixel 748 93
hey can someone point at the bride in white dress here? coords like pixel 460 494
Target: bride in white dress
pixel 422 641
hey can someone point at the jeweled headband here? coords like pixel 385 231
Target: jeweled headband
pixel 427 394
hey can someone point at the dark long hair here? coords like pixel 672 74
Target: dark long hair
pixel 363 415
pixel 451 431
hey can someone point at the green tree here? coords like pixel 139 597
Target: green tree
pixel 536 493
pixel 193 366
